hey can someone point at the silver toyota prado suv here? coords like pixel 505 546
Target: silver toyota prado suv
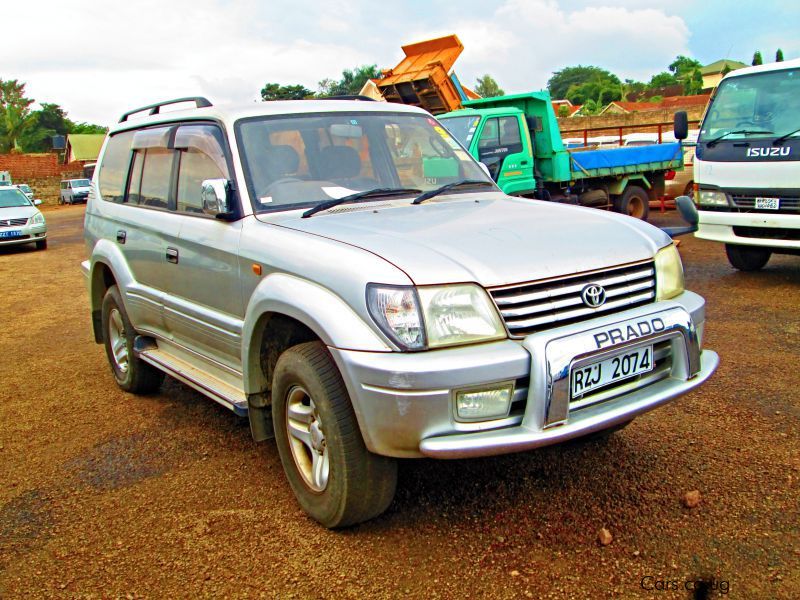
pixel 347 277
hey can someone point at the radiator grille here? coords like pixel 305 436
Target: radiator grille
pixel 534 306
pixel 12 222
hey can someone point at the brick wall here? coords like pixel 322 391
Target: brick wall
pixel 42 172
pixel 635 120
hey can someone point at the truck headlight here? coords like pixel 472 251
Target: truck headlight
pixel 434 316
pixel 37 219
pixel 712 198
pixel 669 273
pixel 492 402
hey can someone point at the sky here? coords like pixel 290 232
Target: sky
pixel 97 59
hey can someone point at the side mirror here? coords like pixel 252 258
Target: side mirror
pixel 681 125
pixel 37 202
pixel 215 194
pixel 689 213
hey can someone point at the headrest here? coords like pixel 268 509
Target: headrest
pixel 339 162
pixel 282 161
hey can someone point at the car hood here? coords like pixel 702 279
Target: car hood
pixel 17 212
pixel 492 240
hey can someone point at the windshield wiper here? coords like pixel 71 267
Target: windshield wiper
pixel 783 138
pixel 440 190
pixel 357 196
pixel 742 131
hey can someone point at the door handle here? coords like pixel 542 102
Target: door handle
pixel 121 236
pixel 172 255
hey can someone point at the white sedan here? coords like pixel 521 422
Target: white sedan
pixel 20 221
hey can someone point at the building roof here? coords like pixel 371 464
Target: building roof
pixel 720 66
pixel 85 146
pixel 630 107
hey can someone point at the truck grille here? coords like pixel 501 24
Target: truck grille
pixel 534 306
pixel 12 222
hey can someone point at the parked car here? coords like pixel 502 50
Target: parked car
pixel 26 189
pixel 74 190
pixel 681 183
pixel 20 221
pixel 348 277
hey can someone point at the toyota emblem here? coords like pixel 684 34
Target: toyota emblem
pixel 593 295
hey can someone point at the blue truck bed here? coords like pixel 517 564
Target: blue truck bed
pixel 621 161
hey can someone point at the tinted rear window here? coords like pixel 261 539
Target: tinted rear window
pixel 114 168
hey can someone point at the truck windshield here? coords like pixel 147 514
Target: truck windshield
pixel 81 183
pixel 462 128
pixel 758 105
pixel 299 161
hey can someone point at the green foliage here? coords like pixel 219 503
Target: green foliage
pixel 683 65
pixel 351 82
pixel 41 125
pixel 779 55
pixel 757 60
pixel 574 77
pixel 86 128
pixel 563 110
pixel 590 107
pixel 14 112
pixel 487 87
pixel 276 91
pixel 662 79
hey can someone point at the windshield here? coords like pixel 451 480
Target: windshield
pixel 12 197
pixel 759 105
pixel 462 128
pixel 25 188
pixel 76 183
pixel 299 161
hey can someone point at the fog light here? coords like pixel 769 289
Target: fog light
pixel 478 405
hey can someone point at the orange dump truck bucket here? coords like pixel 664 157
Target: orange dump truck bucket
pixel 422 77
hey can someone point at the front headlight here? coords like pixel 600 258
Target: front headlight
pixel 434 316
pixel 37 219
pixel 669 273
pixel 712 198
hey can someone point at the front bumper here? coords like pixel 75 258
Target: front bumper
pixel 404 401
pixel 28 234
pixel 718 226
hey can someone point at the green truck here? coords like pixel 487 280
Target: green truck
pixel 518 139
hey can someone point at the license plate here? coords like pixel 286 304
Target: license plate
pixel 768 203
pixel 11 234
pixel 615 368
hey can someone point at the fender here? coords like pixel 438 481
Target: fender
pixel 322 311
pixel 107 253
pixel 618 187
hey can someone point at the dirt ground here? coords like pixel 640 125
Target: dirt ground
pixel 109 495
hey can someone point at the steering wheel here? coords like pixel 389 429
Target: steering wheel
pixel 747 122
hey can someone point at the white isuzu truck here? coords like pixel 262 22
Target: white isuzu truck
pixel 747 167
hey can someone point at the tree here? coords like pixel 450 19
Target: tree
pixel 41 125
pixel 561 81
pixel 351 82
pixel 687 72
pixel 683 65
pixel 563 111
pixel 757 60
pixel 276 91
pixel 487 87
pixel 662 79
pixel 779 55
pixel 14 111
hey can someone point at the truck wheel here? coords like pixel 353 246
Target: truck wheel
pixel 633 202
pixel 41 245
pixel 131 373
pixel 334 477
pixel 747 258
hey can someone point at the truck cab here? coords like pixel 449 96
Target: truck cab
pixel 746 167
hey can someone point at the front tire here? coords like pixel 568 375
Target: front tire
pixel 747 258
pixel 130 372
pixel 334 477
pixel 633 202
pixel 41 245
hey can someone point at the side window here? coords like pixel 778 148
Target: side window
pixel 135 185
pixel 202 156
pixel 509 132
pixel 490 136
pixel 114 168
pixel 156 177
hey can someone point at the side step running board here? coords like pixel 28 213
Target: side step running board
pixel 217 390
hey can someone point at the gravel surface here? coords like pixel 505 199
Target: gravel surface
pixel 110 495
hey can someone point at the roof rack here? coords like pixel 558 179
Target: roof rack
pixel 155 109
pixel 348 97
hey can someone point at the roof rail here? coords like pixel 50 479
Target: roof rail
pixel 155 109
pixel 347 97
